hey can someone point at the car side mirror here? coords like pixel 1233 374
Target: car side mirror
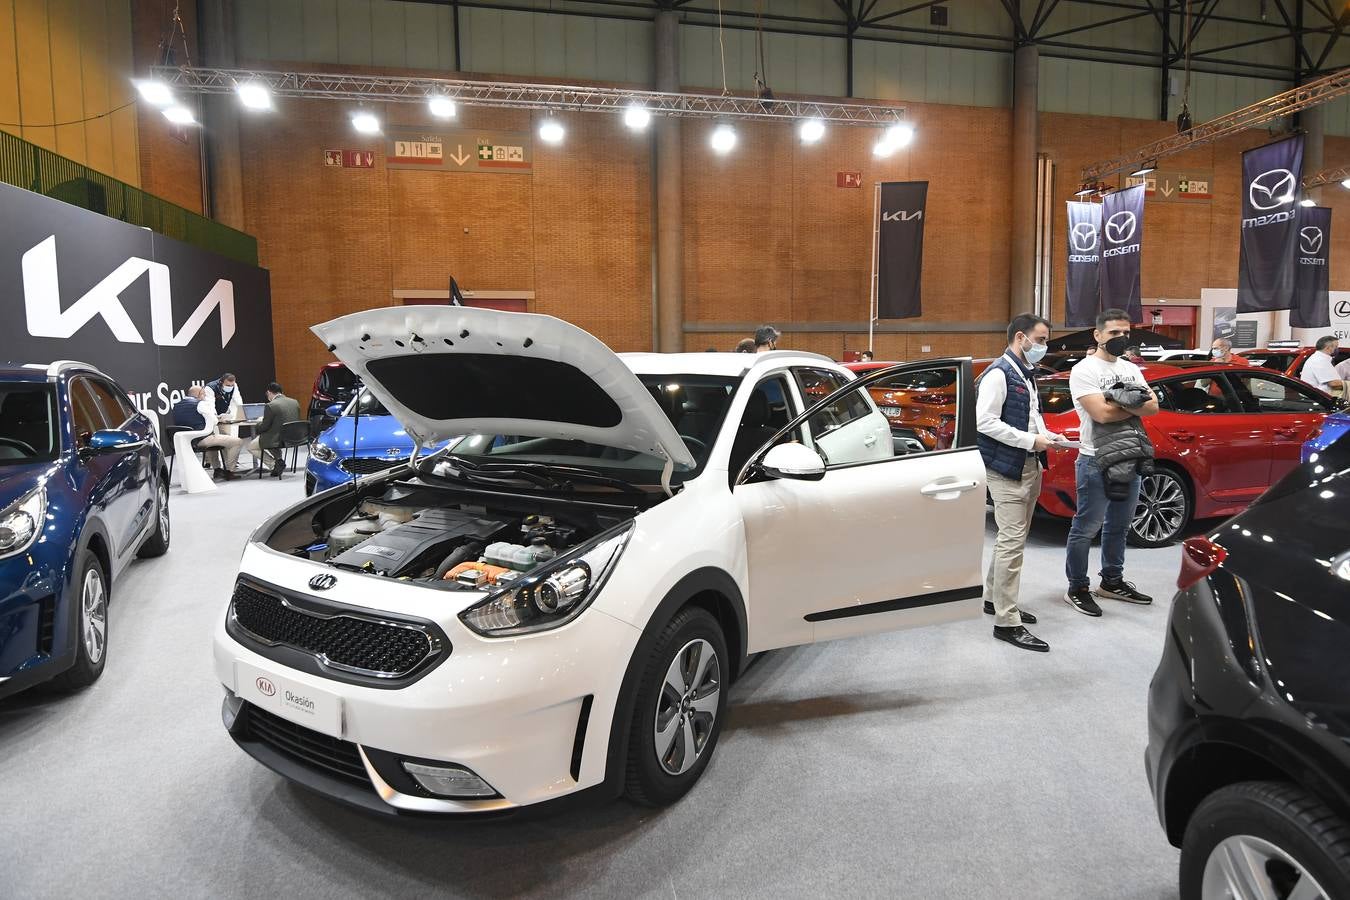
pixel 795 461
pixel 334 411
pixel 111 440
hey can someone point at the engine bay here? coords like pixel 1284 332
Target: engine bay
pixel 451 540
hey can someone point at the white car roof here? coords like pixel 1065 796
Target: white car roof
pixel 733 364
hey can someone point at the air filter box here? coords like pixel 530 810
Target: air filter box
pixel 426 540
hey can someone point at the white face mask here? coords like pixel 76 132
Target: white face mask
pixel 1034 352
pixel 1216 352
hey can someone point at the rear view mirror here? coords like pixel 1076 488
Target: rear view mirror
pixel 334 411
pixel 113 439
pixel 796 461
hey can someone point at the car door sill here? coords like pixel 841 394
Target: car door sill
pixel 901 603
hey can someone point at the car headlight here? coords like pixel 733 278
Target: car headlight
pixel 321 452
pixel 552 595
pixel 21 522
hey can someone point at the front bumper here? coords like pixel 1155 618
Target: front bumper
pixel 530 716
pixel 32 634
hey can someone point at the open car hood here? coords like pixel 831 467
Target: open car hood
pixel 451 370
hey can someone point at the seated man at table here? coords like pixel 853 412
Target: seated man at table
pixel 197 411
pixel 280 409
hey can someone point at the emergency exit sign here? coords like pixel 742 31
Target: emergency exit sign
pixel 349 159
pixel 848 179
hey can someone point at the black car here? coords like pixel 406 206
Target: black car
pixel 1249 711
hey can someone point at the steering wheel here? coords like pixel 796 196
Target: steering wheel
pixel 15 442
pixel 699 446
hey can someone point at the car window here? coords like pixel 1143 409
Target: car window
pixel 816 384
pixel 1270 360
pixel 1054 397
pixel 116 409
pixel 850 430
pixel 1196 396
pixel 28 423
pixel 1264 394
pixel 85 414
pixel 768 410
pixel 920 406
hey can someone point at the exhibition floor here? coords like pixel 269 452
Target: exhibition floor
pixel 930 763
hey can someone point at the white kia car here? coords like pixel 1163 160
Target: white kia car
pixel 558 600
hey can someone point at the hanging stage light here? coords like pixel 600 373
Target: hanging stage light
pixel 900 134
pixel 811 131
pixel 1144 169
pixel 154 91
pixel 723 138
pixel 637 117
pixel 441 107
pixel 1307 201
pixel 180 115
pixel 365 122
pixel 551 131
pixel 254 96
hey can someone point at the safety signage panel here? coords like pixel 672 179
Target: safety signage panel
pixel 458 150
pixel 1175 187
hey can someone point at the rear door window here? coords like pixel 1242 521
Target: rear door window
pixel 1262 394
pixel 1197 396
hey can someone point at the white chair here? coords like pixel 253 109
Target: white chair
pixel 193 478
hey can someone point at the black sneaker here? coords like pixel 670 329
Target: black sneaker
pixel 1081 600
pixel 1120 589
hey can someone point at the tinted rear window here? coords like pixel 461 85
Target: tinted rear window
pixel 482 386
pixel 28 423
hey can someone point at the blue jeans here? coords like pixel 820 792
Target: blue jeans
pixel 1093 509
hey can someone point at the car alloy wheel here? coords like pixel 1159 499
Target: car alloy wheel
pixel 1243 866
pixel 94 615
pixel 1162 511
pixel 164 513
pixel 686 709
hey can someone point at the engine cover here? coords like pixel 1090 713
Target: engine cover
pixel 423 542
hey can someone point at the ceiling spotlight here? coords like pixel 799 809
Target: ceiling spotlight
pixel 1307 201
pixel 254 96
pixel 811 131
pixel 551 131
pixel 1346 184
pixel 900 134
pixel 366 122
pixel 442 107
pixel 723 138
pixel 154 91
pixel 637 117
pixel 1143 170
pixel 180 115
pixel 883 148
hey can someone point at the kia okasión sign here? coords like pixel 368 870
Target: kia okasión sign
pixel 1121 241
pixel 1270 226
pixel 1312 302
pixel 1082 297
pixel 156 314
pixel 900 249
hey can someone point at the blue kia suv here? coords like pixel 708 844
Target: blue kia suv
pixel 84 489
pixel 381 444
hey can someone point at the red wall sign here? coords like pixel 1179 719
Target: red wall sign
pixel 848 179
pixel 350 159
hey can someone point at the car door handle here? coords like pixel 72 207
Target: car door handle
pixel 941 488
pixel 1287 432
pixel 1181 437
pixel 870 441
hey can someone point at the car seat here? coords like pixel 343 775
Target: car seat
pixel 755 428
pixel 1197 400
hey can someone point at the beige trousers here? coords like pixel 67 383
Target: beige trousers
pixel 222 442
pixel 1014 505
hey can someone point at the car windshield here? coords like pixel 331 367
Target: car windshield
pixel 370 406
pixel 28 424
pixel 695 404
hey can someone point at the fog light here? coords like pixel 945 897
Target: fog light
pixel 449 781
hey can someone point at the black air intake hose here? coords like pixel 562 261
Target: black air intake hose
pixel 462 553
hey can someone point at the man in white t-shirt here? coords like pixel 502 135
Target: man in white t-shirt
pixel 1088 381
pixel 1319 370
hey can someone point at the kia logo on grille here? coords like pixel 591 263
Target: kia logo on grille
pixel 1310 240
pixel 265 687
pixel 1271 189
pixel 1084 237
pixel 322 582
pixel 1120 227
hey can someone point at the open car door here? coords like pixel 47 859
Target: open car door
pixel 845 537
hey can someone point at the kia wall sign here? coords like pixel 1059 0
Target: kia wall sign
pixel 156 314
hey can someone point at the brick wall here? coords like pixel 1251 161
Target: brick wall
pixel 170 156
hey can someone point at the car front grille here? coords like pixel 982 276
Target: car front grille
pixel 367 465
pixel 317 751
pixel 368 646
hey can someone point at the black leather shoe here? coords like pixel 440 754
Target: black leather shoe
pixel 1020 637
pixel 1027 618
pixel 278 469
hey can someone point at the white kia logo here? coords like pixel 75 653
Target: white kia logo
pixel 1310 240
pixel 1084 237
pixel 322 582
pixel 1120 227
pixel 1271 189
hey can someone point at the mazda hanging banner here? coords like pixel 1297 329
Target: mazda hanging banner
pixel 900 249
pixel 1312 302
pixel 156 314
pixel 1122 233
pixel 1082 296
pixel 1269 242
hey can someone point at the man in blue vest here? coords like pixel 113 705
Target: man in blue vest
pixel 1011 437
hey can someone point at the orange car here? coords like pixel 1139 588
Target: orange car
pixel 921 406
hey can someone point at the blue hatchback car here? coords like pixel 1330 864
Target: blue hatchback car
pixel 381 443
pixel 84 489
pixel 1332 427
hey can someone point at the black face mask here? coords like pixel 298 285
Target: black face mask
pixel 1117 345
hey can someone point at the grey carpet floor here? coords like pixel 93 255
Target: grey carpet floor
pixel 930 763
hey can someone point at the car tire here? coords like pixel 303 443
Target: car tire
pixel 1274 832
pixel 157 544
pixel 659 770
pixel 1163 510
pixel 89 591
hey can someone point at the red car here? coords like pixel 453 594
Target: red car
pixel 1223 435
pixel 335 383
pixel 1288 360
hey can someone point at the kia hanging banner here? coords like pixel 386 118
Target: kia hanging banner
pixel 900 249
pixel 1312 303
pixel 1082 297
pixel 1269 242
pixel 1122 232
pixel 156 314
